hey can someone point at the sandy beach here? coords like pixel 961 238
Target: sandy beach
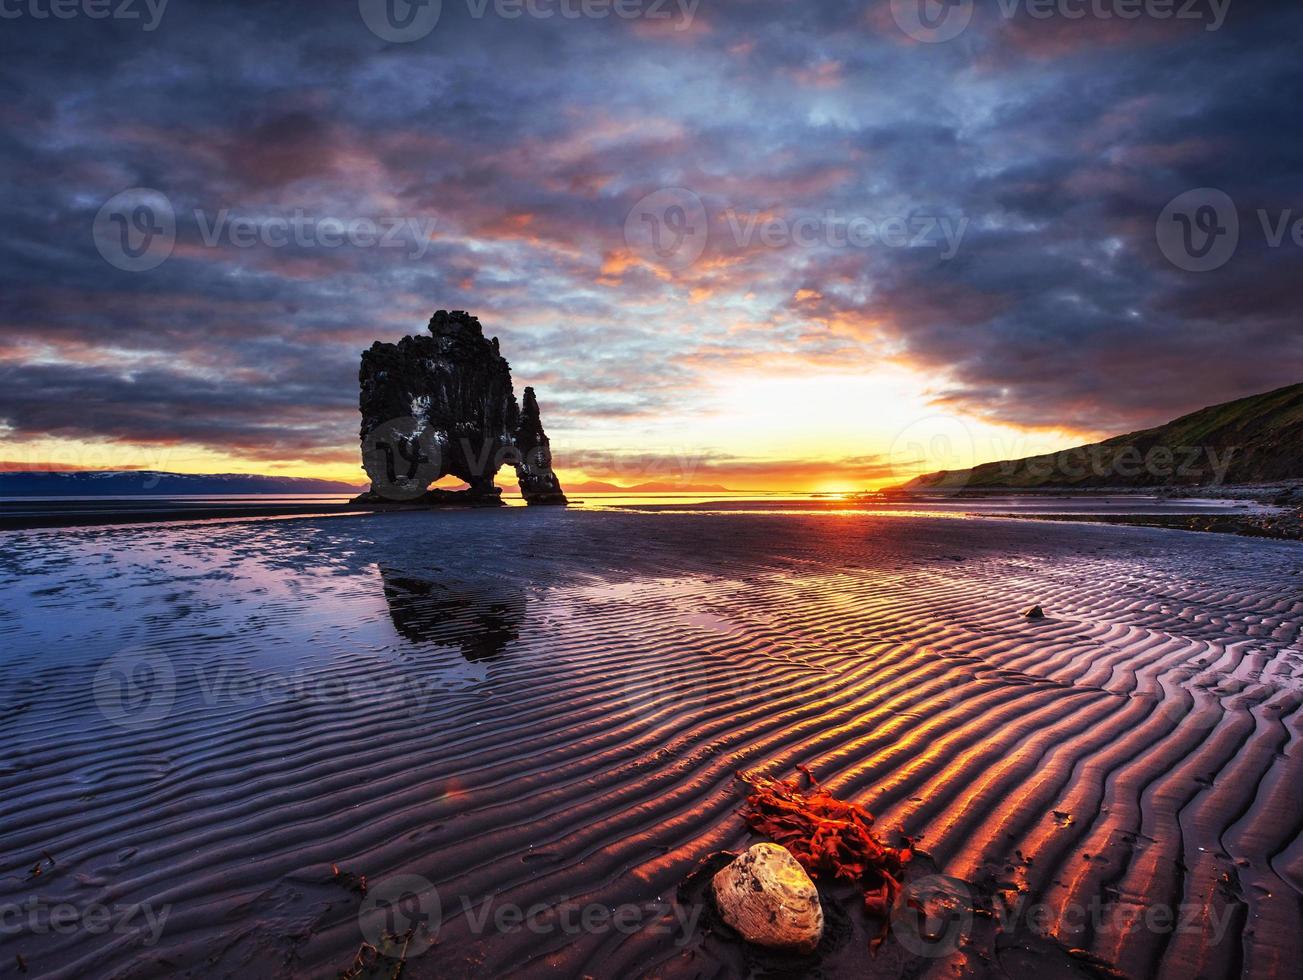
pixel 213 731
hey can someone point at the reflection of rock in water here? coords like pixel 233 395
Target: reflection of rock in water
pixel 482 622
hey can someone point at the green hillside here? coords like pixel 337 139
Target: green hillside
pixel 1252 440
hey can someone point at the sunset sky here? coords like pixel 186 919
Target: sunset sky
pixel 914 253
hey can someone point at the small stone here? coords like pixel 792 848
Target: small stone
pixel 1035 612
pixel 770 900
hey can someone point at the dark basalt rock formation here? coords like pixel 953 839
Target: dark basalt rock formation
pixel 443 405
pixel 538 484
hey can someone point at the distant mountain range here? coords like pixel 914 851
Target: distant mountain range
pixel 1253 440
pixel 129 483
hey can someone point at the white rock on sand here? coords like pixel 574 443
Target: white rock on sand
pixel 767 897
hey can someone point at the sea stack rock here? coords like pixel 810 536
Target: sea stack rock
pixel 770 900
pixel 538 484
pixel 444 405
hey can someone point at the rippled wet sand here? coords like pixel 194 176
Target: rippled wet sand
pixel 548 708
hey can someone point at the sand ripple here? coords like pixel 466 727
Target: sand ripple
pixel 534 708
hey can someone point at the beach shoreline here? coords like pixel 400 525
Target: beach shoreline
pixel 1213 510
pixel 552 710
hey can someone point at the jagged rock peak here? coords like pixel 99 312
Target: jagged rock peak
pixel 458 321
pixel 444 405
pixel 538 483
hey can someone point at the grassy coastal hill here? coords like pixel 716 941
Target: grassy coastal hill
pixel 1258 439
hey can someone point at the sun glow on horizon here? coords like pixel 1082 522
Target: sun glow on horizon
pixel 832 433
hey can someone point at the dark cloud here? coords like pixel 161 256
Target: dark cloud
pixel 525 142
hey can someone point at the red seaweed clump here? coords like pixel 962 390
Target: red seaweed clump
pixel 831 838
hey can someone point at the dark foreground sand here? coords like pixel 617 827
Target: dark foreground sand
pixel 540 714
